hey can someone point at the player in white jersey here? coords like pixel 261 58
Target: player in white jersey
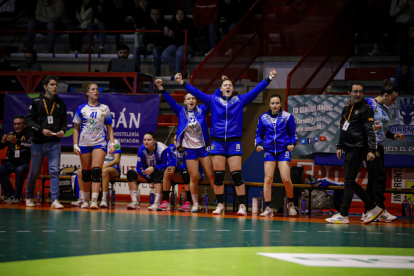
pixel 92 126
pixel 111 169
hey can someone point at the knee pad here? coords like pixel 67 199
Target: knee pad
pixel 96 174
pixel 186 177
pixel 218 178
pixel 237 178
pixel 158 176
pixel 132 175
pixel 86 175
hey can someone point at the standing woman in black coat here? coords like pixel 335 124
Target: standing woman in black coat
pixel 174 54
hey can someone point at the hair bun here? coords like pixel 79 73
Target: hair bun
pixel 223 78
pixel 387 82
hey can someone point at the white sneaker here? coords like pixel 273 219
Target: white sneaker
pixel 219 210
pixel 337 218
pixel 154 206
pixel 77 203
pixel 85 204
pixel 196 208
pixel 386 217
pixel 103 204
pixel 94 204
pixel 364 216
pixel 56 205
pixel 373 214
pixel 242 210
pixel 30 202
pixel 133 205
pixel 292 209
pixel 206 54
pixel 268 212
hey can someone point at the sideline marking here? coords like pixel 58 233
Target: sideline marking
pixel 73 230
pixel 273 230
pixel 147 230
pixel 123 230
pixel 223 230
pixel 248 230
pixel 49 231
pixel 23 231
pixel 173 230
pixel 98 230
pixel 395 233
pixel 325 231
pixel 350 232
pixel 196 230
pixel 298 231
pixel 2 231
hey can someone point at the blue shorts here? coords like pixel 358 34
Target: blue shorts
pixel 191 154
pixel 90 149
pixel 227 149
pixel 281 156
pixel 116 167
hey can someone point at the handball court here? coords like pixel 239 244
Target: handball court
pixel 74 241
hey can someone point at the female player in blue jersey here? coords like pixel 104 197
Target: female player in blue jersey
pixel 92 124
pixel 151 162
pixel 226 133
pixel 192 134
pixel 276 134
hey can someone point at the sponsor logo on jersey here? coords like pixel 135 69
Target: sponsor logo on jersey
pixel 356 111
pixel 237 147
pixel 117 146
pixel 370 119
pixel 287 154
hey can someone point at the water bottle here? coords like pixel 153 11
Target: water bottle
pixel 408 210
pixel 182 197
pixel 139 197
pixel 113 198
pixel 173 198
pixel 206 200
pixel 302 205
pixel 286 206
pixel 261 202
pixel 38 197
pixel 152 196
pixel 316 213
pixel 108 198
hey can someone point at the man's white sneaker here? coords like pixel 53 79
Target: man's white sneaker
pixel 30 202
pixel 242 210
pixel 94 204
pixel 292 209
pixel 133 205
pixel 337 218
pixel 103 204
pixel 219 210
pixel 154 206
pixel 268 212
pixel 196 208
pixel 386 217
pixel 85 204
pixel 364 216
pixel 56 205
pixel 373 214
pixel 77 203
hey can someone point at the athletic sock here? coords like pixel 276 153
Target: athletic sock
pixel 268 203
pixel 188 195
pixel 133 195
pixel 241 199
pixel 82 197
pixel 195 198
pixel 220 198
pixel 166 196
pixel 158 198
pixel 95 195
pixel 87 195
pixel 104 195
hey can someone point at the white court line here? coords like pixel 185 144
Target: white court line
pixel 23 231
pixel 147 230
pixel 123 230
pixel 273 230
pixel 223 230
pixel 298 231
pixel 196 230
pixel 73 230
pixel 351 232
pixel 98 230
pixel 2 231
pixel 248 230
pixel 173 230
pixel 48 231
pixel 375 233
pixel 325 231
pixel 395 233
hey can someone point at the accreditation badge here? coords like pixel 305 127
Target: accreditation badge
pixel 17 153
pixel 50 120
pixel 345 126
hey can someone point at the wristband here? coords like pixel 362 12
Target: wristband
pixel 112 144
pixel 76 147
pixel 270 78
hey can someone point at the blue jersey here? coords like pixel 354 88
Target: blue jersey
pixel 226 112
pixel 276 132
pixel 177 159
pixel 92 120
pixel 381 114
pixel 158 158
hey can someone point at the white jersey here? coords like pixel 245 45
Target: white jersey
pixel 92 120
pixel 193 134
pixel 111 156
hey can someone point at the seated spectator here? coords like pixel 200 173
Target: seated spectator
pixel 402 13
pixel 119 85
pixel 30 62
pixel 18 143
pixel 406 69
pixel 102 19
pixel 124 14
pixel 174 54
pixel 205 14
pixel 50 16
pixel 153 42
pixel 142 17
pixel 228 15
pixel 83 17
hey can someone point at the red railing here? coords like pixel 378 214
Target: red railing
pixel 317 68
pixel 98 31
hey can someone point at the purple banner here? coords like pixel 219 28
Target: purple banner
pixel 132 115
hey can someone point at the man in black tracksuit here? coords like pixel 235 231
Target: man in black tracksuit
pixel 47 117
pixel 358 139
pixel 18 143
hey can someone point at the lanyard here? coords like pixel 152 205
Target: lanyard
pixel 53 107
pixel 349 112
pixel 16 146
